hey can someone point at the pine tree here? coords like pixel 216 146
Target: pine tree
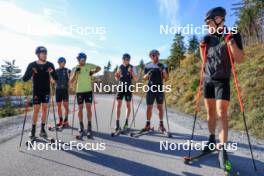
pixel 193 45
pixel 177 51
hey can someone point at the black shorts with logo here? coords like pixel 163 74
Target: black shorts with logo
pixel 217 89
pixel 62 95
pixel 39 98
pixel 152 96
pixel 86 97
pixel 121 95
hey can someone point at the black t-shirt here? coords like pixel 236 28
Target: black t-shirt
pixel 41 77
pixel 126 77
pixel 218 64
pixel 63 78
pixel 155 71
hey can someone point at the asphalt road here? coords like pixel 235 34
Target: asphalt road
pixel 123 155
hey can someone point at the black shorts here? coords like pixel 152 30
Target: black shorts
pixel 86 97
pixel 152 96
pixel 217 89
pixel 40 98
pixel 121 95
pixel 62 95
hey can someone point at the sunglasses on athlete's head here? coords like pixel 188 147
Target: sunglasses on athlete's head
pixel 208 21
pixel 154 55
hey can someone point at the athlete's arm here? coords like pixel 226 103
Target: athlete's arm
pixel 237 53
pixel 53 73
pixel 133 74
pixel 147 74
pixel 28 74
pixel 117 74
pixel 74 74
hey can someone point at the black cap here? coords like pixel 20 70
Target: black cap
pixel 217 11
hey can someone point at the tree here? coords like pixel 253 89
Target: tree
pixel 193 45
pixel 250 20
pixel 141 64
pixel 177 51
pixel 116 68
pixel 10 72
pixel 108 66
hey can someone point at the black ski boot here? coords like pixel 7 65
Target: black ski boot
pixel 43 133
pixel 210 145
pixel 89 131
pixel 162 128
pixel 32 135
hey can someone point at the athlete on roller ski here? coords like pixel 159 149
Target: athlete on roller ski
pixel 81 74
pixel 124 74
pixel 40 71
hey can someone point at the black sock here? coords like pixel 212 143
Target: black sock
pixel 117 124
pixel 61 119
pixel 89 125
pixel 42 126
pixel 161 123
pixel 33 130
pixel 212 138
pixel 66 118
pixel 126 121
pixel 148 123
pixel 81 125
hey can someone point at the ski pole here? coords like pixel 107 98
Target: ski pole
pixel 95 114
pixel 47 117
pixel 198 94
pixel 113 107
pixel 54 115
pixel 240 98
pixel 74 102
pixel 133 112
pixel 166 110
pixel 24 122
pixel 73 111
pixel 133 121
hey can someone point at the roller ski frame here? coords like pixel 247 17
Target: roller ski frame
pixel 188 160
pixel 119 132
pixel 141 132
pixel 34 139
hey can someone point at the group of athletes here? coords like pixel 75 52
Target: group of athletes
pixel 216 83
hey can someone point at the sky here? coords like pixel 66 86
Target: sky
pixel 103 29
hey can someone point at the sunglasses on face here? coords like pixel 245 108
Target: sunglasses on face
pixel 154 55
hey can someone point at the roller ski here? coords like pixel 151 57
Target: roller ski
pixel 206 151
pixel 89 134
pixel 147 129
pixel 60 126
pixel 32 139
pixel 163 131
pixel 81 135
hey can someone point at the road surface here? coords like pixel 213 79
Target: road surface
pixel 123 155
